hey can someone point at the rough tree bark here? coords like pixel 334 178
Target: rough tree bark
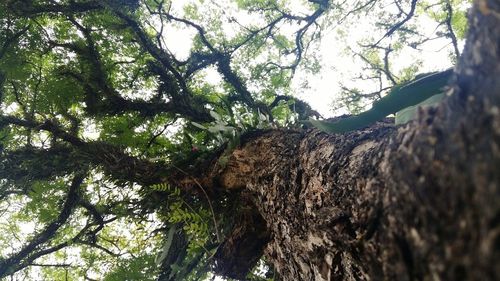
pixel 418 202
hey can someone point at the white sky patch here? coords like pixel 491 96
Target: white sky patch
pixel 91 131
pixel 179 40
pixel 212 76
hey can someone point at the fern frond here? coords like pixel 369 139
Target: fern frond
pixel 165 187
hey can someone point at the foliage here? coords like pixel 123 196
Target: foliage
pixel 195 223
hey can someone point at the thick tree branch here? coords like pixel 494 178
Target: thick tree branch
pixel 28 8
pixel 115 162
pixel 29 163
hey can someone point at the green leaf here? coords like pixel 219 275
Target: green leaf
pixel 410 113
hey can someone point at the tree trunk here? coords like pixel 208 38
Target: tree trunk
pixel 418 202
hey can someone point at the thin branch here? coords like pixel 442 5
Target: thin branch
pixel 51 265
pixel 396 26
pixel 451 33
